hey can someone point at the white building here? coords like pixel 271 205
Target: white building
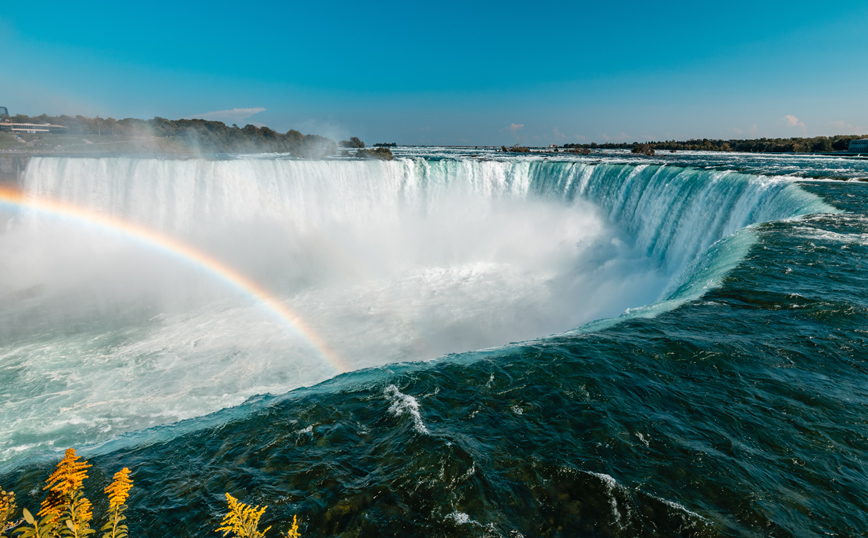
pixel 32 127
pixel 859 146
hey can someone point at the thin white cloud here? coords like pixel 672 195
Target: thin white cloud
pixel 514 128
pixel 749 131
pixel 617 138
pixel 847 128
pixel 234 115
pixel 793 121
pixel 558 135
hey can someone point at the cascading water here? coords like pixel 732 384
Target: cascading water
pixel 386 261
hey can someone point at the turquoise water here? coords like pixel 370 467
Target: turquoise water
pixel 723 394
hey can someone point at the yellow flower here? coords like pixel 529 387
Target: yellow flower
pixel 63 485
pixel 293 531
pixel 119 490
pixel 7 501
pixel 85 513
pixel 68 475
pixel 7 508
pixel 52 507
pixel 242 520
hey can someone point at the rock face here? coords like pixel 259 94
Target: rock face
pixel 383 154
pixel 514 149
pixel 644 149
pixel 353 142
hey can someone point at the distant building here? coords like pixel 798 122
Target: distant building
pixel 32 128
pixel 7 125
pixel 859 146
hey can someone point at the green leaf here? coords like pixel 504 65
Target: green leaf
pixel 70 525
pixel 28 517
pixel 24 532
pixel 47 531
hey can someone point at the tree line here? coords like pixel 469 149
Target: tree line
pixel 195 134
pixel 817 144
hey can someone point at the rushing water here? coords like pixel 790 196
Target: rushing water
pixel 540 347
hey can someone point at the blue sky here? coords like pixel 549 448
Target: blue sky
pixel 450 72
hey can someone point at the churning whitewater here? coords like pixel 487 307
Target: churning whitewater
pixel 386 262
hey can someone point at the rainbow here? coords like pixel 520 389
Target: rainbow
pixel 171 246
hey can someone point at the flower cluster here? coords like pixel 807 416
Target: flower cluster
pixel 65 512
pixel 7 509
pixel 242 521
pixel 119 490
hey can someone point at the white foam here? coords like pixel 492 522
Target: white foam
pixel 404 404
pixel 681 508
pixel 611 487
pixel 460 518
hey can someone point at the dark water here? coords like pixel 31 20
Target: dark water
pixel 741 413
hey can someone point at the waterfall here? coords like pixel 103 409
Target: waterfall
pixel 393 261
